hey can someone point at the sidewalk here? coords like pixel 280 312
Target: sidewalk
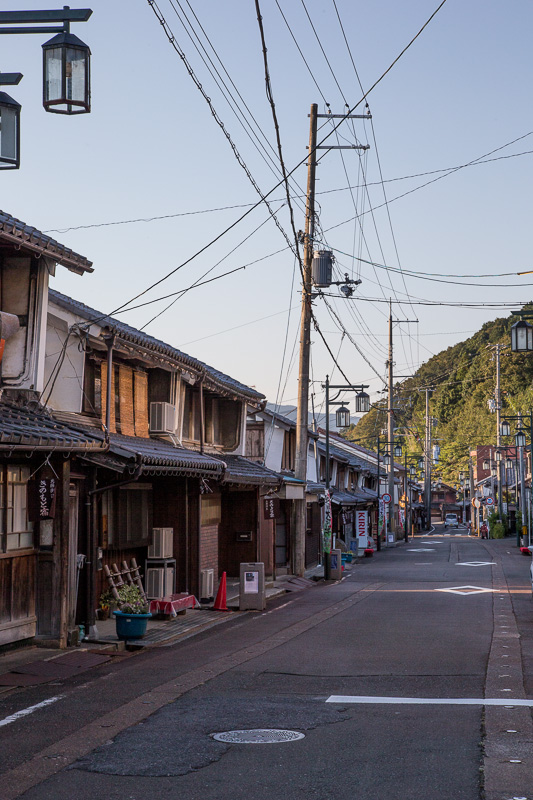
pixel 31 664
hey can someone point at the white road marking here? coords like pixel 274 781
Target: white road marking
pixel 465 590
pixel 25 711
pixel 420 550
pixel 474 563
pixel 438 701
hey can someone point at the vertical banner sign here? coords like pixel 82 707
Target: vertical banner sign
pixel 327 531
pixel 271 508
pixel 361 527
pixel 42 499
pixel 381 515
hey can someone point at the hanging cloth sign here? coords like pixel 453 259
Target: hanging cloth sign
pixel 42 498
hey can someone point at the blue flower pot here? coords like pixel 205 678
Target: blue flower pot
pixel 131 626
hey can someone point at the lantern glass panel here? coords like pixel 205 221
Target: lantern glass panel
pixel 397 451
pixel 412 470
pixel 521 337
pixel 386 459
pixel 9 132
pixel 498 455
pixel 486 464
pixel 342 417
pixel 508 463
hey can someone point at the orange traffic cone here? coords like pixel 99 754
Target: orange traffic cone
pixel 220 602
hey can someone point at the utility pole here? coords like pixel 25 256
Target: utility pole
pixel 390 425
pixel 302 421
pixel 498 432
pixel 427 454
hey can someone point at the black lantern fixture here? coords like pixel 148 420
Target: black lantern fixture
pixel 498 455
pixel 362 403
pixel 422 475
pixel 486 464
pixel 386 459
pixel 520 438
pixel 505 428
pixel 521 337
pixel 9 132
pixel 420 463
pixel 342 417
pixel 412 470
pixel 461 476
pixel 493 472
pixel 508 463
pixel 397 451
pixel 66 75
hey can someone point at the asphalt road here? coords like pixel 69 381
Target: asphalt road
pixel 143 728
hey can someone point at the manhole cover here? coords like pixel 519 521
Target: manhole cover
pixel 258 736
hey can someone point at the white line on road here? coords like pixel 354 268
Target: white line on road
pixel 438 701
pixel 25 711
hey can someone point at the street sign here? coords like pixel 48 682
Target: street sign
pixel 476 502
pixel 489 501
pixel 386 498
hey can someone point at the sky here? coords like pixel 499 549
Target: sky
pixel 148 179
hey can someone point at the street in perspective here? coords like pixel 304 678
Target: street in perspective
pixel 266 401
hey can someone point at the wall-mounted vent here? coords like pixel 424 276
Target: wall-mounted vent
pixel 162 418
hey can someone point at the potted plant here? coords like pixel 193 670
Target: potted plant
pixel 132 614
pixel 106 603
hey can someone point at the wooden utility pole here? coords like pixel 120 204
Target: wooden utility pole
pixel 390 426
pixel 302 421
pixel 427 454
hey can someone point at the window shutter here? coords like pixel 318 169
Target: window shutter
pixel 125 383
pixel 112 421
pixel 141 403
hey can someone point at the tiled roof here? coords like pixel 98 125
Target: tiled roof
pixel 352 498
pixel 24 427
pixel 17 233
pixel 217 379
pixel 240 470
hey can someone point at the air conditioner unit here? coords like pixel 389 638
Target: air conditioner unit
pixel 160 582
pixel 207 584
pixel 162 418
pixel 162 543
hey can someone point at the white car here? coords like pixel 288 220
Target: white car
pixel 451 521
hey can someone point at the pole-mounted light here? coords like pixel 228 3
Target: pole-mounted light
pixel 412 470
pixel 397 451
pixel 486 464
pixel 9 132
pixel 66 75
pixel 521 337
pixel 505 428
pixel 461 476
pixel 498 455
pixel 386 459
pixel 508 463
pixel 520 439
pixel 493 472
pixel 342 417
pixel 362 403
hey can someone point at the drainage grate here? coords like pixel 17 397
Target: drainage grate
pixel 258 736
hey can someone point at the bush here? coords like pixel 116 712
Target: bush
pixel 131 600
pixel 497 530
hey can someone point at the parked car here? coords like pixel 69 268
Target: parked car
pixel 451 521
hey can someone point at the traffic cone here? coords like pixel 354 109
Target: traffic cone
pixel 220 602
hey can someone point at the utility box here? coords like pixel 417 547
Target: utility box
pixel 335 565
pixel 252 595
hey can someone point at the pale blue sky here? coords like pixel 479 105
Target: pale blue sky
pixel 150 148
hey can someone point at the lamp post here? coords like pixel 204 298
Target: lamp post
pixel 520 442
pixel 66 72
pixel 362 405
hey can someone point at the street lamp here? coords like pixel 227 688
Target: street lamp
pixel 498 455
pixel 521 337
pixel 505 428
pixel 520 438
pixel 362 403
pixel 342 418
pixel 66 75
pixel 9 131
pixel 397 451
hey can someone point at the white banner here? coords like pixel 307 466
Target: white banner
pixel 361 529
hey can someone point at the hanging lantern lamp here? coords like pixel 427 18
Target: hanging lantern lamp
pixel 66 75
pixel 9 132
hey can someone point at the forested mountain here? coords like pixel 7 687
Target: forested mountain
pixel 463 381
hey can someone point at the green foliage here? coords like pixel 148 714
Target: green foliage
pixel 497 531
pixel 131 600
pixel 464 379
pixel 107 599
